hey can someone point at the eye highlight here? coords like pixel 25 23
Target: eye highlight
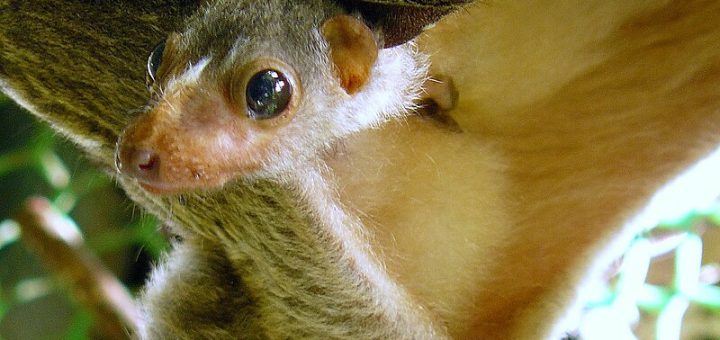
pixel 153 63
pixel 268 94
pixel 265 91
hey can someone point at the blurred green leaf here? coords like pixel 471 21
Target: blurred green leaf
pixel 80 326
pixel 653 298
pixel 708 297
pixel 54 170
pixel 149 235
pixel 112 241
pixel 9 232
pixel 14 160
pixel 33 288
pixel 89 181
pixel 65 201
pixel 669 321
pixel 143 232
pixel 688 260
pixel 4 306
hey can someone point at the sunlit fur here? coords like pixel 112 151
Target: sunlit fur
pixel 573 114
pixel 576 113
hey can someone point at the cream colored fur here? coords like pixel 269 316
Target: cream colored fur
pixel 402 181
pixel 574 114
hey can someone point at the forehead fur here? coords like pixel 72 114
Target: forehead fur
pixel 233 32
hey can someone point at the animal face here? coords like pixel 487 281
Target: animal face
pixel 245 89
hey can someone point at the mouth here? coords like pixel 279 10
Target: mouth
pixel 168 188
pixel 160 188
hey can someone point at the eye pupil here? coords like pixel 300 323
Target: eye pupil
pixel 153 63
pixel 268 94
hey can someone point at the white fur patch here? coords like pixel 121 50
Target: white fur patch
pixel 191 75
pixel 395 83
pixel 12 94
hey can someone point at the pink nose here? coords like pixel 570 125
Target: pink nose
pixel 142 164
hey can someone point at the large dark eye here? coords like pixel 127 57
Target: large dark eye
pixel 268 94
pixel 153 63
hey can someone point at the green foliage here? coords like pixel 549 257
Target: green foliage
pixel 143 231
pixel 4 304
pixel 46 166
pixel 80 326
pixel 681 238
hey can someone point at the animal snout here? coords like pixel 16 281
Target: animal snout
pixel 141 163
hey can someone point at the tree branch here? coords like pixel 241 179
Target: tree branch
pixel 45 231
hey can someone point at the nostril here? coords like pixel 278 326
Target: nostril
pixel 143 164
pixel 145 161
pixel 149 165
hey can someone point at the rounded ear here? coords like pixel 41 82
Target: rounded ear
pixel 353 50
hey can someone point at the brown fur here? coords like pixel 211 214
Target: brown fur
pixel 573 114
pixel 594 106
pixel 353 50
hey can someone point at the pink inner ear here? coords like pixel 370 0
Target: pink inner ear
pixel 353 50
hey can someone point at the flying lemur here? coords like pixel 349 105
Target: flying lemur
pixel 264 90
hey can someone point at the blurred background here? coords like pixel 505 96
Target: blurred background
pixel 35 162
pixel 664 287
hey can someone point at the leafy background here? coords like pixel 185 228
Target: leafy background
pixel 35 162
